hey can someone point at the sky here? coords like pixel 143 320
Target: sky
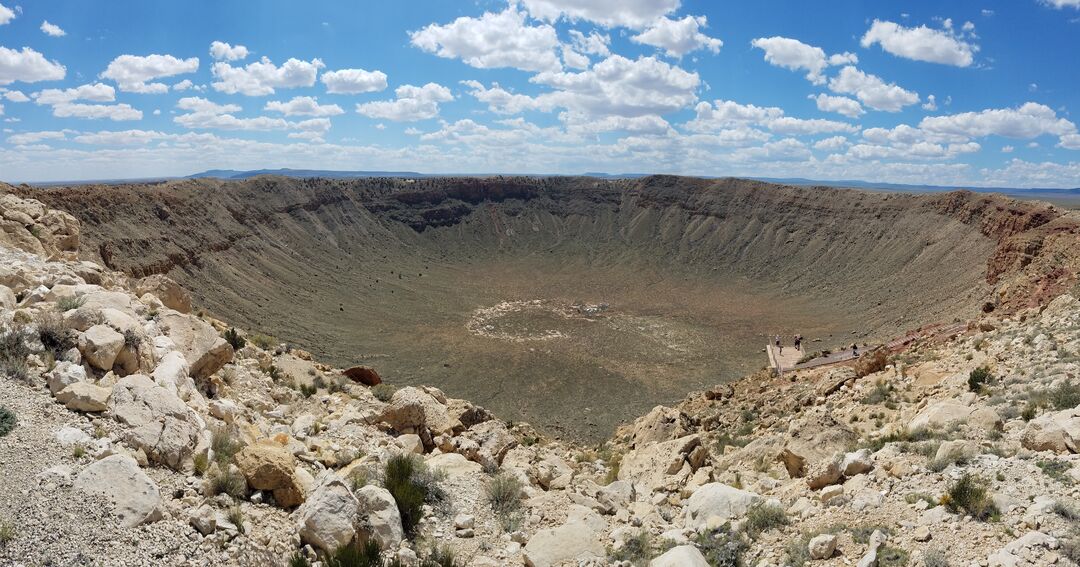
pixel 962 93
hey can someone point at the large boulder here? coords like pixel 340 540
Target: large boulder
pixel 327 518
pixel 84 396
pixel 165 289
pixel 717 500
pixel 159 422
pixel 413 410
pixel 493 440
pixel 666 463
pixel 660 424
pixel 680 556
pixel 271 467
pixel 946 413
pixel 206 352
pixel 813 445
pixel 379 516
pixel 1057 431
pixel 63 375
pixel 100 345
pixel 570 543
pixel 134 497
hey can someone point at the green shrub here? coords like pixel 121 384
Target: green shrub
pixel 1055 470
pixel 411 485
pixel 969 494
pixel 889 556
pixel 722 547
pixel 65 304
pixel 637 549
pixel 7 533
pixel 762 517
pixel 308 390
pixel 1065 396
pixel 55 335
pixel 232 336
pixel 978 378
pixel 355 555
pixel 437 557
pixel 383 392
pixel 236 517
pixel 226 480
pixel 264 342
pixel 200 463
pixel 1066 511
pixel 224 446
pixel 935 558
pixel 8 421
pixel 298 560
pixel 13 353
pixel 1071 548
pixel 503 493
pixel 1029 412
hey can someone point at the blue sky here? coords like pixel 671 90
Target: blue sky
pixel 958 93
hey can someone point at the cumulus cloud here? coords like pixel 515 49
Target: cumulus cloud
pixel 1059 4
pixel 493 40
pixel 795 55
pixel 132 73
pixel 618 86
pixel 678 37
pixel 16 96
pixel 52 30
pixel 922 43
pixel 872 91
pixel 412 103
pixel 262 77
pixel 97 92
pixel 353 81
pixel 838 104
pixel 222 51
pixel 831 144
pixel 204 114
pixel 1027 121
pixel 303 106
pixel 27 66
pixel 595 43
pixel 502 101
pixel 115 112
pixel 635 14
pixel 27 138
pixel 6 14
pixel 726 114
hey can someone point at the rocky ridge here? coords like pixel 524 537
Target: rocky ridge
pixel 146 434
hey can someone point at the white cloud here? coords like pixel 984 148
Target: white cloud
pixel 493 40
pixel 132 72
pixel 573 59
pixel 502 101
pixel 678 37
pixel 871 90
pixel 930 104
pixel 1007 149
pixel 618 86
pixel 16 96
pixel 838 104
pixel 921 43
pixel 202 105
pixel 831 144
pixel 262 77
pixel 635 14
pixel 223 51
pixel 795 55
pixel 207 115
pixel 97 92
pixel 35 137
pixel 6 15
pixel 115 112
pixel 412 103
pixel 1028 121
pixel 183 85
pixel 303 106
pixel 52 30
pixel 1059 4
pixel 121 137
pixel 725 114
pixel 353 81
pixel 27 66
pixel 595 43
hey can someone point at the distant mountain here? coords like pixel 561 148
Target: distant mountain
pixel 923 188
pixel 235 174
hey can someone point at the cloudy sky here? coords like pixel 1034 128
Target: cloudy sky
pixel 958 93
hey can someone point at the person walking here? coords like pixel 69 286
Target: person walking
pixel 798 343
pixel 779 347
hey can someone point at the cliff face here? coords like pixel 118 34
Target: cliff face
pixel 696 271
